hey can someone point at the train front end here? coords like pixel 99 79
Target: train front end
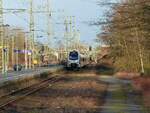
pixel 73 60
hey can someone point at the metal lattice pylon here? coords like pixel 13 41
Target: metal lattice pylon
pixel 49 29
pixel 31 35
pixel 1 36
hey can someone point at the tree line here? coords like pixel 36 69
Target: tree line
pixel 127 32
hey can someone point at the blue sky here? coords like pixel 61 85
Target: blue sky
pixel 83 10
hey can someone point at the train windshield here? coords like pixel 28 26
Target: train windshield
pixel 73 55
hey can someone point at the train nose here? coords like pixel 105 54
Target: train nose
pixel 74 65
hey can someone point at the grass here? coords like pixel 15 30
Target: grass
pixel 141 98
pixel 71 95
pixel 10 86
pixel 119 94
pixel 137 97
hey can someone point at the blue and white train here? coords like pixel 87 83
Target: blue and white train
pixel 76 60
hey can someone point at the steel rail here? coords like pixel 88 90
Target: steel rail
pixel 22 93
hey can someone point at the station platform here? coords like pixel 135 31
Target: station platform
pixel 16 75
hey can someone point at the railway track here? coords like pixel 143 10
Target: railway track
pixel 14 96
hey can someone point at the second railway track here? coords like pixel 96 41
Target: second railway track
pixel 14 96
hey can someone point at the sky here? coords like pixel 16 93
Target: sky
pixel 84 11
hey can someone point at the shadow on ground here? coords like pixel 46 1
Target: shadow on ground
pixel 100 69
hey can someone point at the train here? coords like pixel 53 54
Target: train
pixel 76 60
